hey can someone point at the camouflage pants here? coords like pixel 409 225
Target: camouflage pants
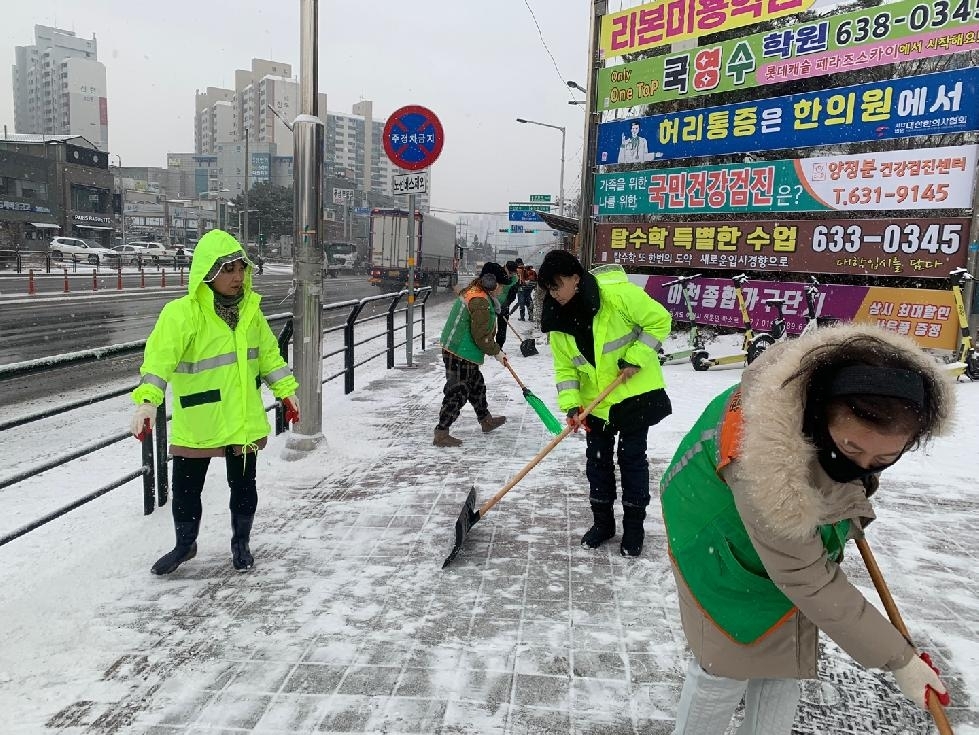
pixel 463 382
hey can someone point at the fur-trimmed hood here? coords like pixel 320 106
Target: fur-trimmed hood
pixel 790 501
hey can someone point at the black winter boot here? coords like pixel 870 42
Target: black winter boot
pixel 241 555
pixel 632 531
pixel 603 528
pixel 185 550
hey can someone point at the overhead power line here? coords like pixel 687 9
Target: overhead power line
pixel 564 82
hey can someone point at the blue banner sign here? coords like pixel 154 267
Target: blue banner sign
pixel 523 215
pixel 930 104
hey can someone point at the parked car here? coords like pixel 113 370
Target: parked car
pixel 154 252
pixel 130 254
pixel 76 249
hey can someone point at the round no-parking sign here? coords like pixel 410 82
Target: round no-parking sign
pixel 413 137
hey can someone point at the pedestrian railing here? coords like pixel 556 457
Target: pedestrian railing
pixel 348 315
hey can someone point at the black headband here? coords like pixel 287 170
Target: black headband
pixel 879 381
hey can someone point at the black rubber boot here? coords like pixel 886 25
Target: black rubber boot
pixel 185 550
pixel 241 555
pixel 603 528
pixel 632 531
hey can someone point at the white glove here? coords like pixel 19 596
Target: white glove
pixel 144 412
pixel 916 676
pixel 500 357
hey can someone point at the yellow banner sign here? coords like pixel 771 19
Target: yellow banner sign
pixel 668 21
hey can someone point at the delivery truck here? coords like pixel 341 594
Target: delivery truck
pixel 436 255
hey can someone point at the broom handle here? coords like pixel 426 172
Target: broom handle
pixel 934 706
pixel 546 450
pixel 506 364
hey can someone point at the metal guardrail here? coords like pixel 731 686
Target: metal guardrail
pixel 154 447
pixel 22 261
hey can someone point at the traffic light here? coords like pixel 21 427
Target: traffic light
pixel 261 239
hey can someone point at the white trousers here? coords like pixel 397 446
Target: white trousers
pixel 707 704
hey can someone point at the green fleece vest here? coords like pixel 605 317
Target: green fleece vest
pixel 708 541
pixel 457 335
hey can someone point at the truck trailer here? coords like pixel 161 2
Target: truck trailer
pixel 436 261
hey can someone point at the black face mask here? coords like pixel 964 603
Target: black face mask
pixel 841 468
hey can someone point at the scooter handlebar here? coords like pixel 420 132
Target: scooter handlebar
pixel 682 279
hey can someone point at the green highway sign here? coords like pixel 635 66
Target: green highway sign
pixel 540 197
pixel 515 206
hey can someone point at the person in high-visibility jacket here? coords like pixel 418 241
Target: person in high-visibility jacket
pixel 601 326
pixel 214 348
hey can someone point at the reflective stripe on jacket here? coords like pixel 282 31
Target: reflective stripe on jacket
pixel 629 326
pixel 214 373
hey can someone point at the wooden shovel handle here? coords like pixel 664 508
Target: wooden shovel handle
pixel 513 329
pixel 934 706
pixel 547 450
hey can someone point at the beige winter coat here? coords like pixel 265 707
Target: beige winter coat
pixel 781 508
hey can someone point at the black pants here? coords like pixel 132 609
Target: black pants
pixel 463 382
pixel 633 465
pixel 501 328
pixel 188 483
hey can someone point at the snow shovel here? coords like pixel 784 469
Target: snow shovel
pixel 542 411
pixel 934 706
pixel 528 347
pixel 469 516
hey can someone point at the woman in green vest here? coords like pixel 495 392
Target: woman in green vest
pixel 759 501
pixel 467 337
pixel 215 349
pixel 601 326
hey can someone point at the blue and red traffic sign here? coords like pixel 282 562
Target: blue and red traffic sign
pixel 413 137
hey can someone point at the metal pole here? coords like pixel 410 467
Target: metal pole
pixel 307 135
pixel 166 220
pixel 244 235
pixel 561 195
pixel 972 264
pixel 123 214
pixel 586 223
pixel 410 313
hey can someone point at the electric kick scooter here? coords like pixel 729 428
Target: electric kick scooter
pixel 968 360
pixel 695 340
pixel 779 330
pixel 751 345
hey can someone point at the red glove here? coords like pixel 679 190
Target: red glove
pixel 574 422
pixel 291 407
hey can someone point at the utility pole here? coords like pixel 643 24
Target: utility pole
pixel 586 224
pixel 244 235
pixel 307 178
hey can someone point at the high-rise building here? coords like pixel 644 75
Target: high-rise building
pixel 59 87
pixel 262 105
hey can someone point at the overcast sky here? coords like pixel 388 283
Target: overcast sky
pixel 478 65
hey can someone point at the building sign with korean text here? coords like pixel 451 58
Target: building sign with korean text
pixel 343 196
pixel 926 315
pixel 926 178
pixel 669 21
pixel 922 248
pixel 929 104
pixel 886 34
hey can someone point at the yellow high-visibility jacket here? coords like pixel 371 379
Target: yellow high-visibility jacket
pixel 214 373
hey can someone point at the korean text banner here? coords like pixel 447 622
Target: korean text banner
pixel 927 178
pixel 886 34
pixel 668 21
pixel 930 104
pixel 926 315
pixel 922 248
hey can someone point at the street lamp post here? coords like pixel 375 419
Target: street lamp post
pixel 122 200
pixel 555 127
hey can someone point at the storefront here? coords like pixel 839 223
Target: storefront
pixel 94 227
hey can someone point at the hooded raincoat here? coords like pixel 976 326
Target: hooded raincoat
pixel 214 373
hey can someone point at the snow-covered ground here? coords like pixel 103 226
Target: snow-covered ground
pixel 349 624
